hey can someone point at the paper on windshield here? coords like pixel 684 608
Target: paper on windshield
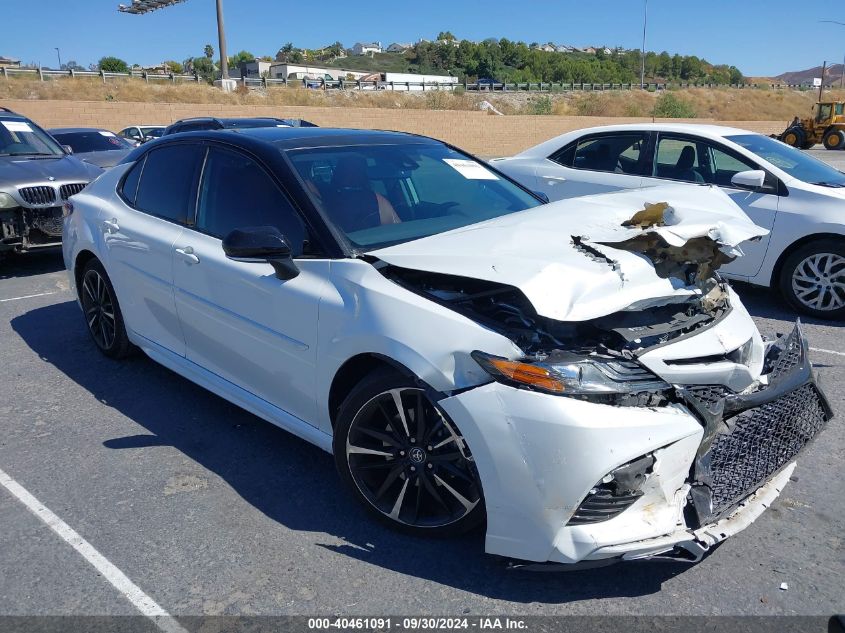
pixel 16 126
pixel 105 133
pixel 470 170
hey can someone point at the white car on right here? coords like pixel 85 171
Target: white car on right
pixel 799 199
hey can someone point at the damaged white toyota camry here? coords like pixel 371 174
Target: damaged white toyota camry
pixel 575 375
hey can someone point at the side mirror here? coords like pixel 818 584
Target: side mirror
pixel 261 244
pixel 68 149
pixel 752 180
pixel 542 196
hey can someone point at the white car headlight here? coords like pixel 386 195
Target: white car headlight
pixel 7 201
pixel 572 375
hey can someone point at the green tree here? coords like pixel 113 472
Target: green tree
pixel 113 65
pixel 446 35
pixel 208 51
pixel 175 67
pixel 241 57
pixel 204 67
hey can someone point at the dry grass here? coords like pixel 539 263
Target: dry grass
pixel 719 104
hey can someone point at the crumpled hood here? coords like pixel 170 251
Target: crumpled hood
pixel 19 171
pixel 570 258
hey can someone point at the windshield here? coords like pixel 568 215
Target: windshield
pixel 21 138
pixel 380 195
pixel 153 132
pixel 793 161
pixel 91 141
pixel 250 123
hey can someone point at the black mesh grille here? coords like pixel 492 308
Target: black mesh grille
pixel 48 221
pixel 761 442
pixel 708 395
pixel 42 195
pixel 66 191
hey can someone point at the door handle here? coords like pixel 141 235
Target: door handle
pixel 187 255
pixel 111 226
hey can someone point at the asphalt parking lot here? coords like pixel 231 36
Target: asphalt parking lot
pixel 210 510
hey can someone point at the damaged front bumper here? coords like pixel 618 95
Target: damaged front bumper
pixel 716 459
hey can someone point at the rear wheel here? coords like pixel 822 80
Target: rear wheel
pixel 813 279
pixel 835 139
pixel 102 311
pixel 794 136
pixel 404 460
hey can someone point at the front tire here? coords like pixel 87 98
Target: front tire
pixel 102 311
pixel 812 279
pixel 404 460
pixel 794 136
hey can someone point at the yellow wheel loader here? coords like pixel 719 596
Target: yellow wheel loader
pixel 827 126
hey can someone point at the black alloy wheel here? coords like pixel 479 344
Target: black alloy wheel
pixel 102 312
pixel 405 460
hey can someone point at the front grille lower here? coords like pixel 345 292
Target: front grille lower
pixel 41 195
pixel 761 442
pixel 66 191
pixel 48 221
pixel 602 505
pixel 749 437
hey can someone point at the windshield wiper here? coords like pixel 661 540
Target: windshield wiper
pixel 829 184
pixel 31 154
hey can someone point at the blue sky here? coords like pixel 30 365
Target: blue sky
pixel 762 37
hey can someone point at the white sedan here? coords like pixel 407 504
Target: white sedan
pixel 800 200
pixel 468 354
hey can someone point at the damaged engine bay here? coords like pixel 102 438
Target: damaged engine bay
pixel 506 309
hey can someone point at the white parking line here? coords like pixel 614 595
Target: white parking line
pixel 826 351
pixel 117 578
pixel 40 294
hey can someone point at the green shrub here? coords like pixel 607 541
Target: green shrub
pixel 669 106
pixel 541 105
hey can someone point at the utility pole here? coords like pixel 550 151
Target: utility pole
pixel 645 23
pixel 821 87
pixel 145 6
pixel 221 37
pixel 59 53
pixel 842 77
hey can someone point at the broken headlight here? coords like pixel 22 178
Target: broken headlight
pixel 570 374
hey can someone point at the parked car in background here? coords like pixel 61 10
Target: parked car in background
pixel 93 145
pixel 468 354
pixel 213 123
pixel 797 198
pixel 139 134
pixel 36 176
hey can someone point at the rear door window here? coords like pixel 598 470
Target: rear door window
pixel 613 153
pixel 168 183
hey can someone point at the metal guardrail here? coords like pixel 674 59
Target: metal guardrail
pixel 45 73
pixel 403 86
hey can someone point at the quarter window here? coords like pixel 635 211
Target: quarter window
pixel 169 182
pixel 130 183
pixel 236 192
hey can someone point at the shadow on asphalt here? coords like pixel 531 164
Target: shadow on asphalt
pixel 258 460
pixel 768 304
pixel 31 264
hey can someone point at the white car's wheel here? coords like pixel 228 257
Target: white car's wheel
pixel 102 311
pixel 813 279
pixel 404 460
